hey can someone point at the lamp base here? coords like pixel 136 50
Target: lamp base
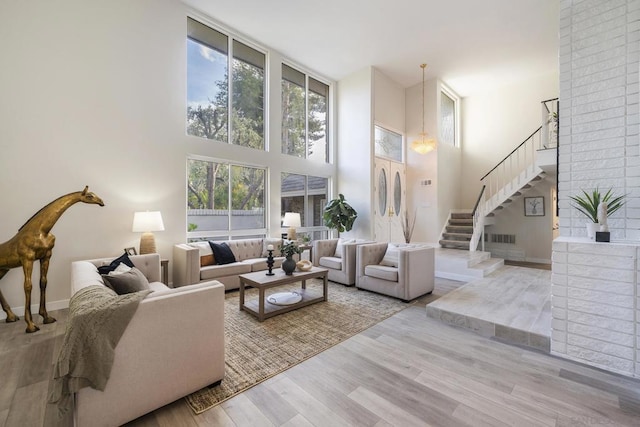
pixel 291 234
pixel 147 243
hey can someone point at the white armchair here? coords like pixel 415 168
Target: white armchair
pixel 339 257
pixel 412 276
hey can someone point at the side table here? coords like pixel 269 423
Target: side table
pixel 164 266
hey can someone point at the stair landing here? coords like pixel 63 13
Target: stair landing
pixel 455 264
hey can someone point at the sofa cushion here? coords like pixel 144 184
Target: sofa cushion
pixel 222 253
pixel 260 264
pixel 382 272
pixel 331 262
pixel 216 271
pixel 124 259
pixel 126 283
pixel 340 246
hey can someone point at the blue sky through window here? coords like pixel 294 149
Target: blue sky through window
pixel 205 67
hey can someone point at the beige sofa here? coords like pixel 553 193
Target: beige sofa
pixel 250 255
pixel 406 275
pixel 173 346
pixel 339 257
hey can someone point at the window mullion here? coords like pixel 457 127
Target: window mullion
pixel 230 91
pixel 306 116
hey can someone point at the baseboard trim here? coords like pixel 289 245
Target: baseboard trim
pixel 538 260
pixel 52 305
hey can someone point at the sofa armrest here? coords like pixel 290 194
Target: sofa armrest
pixel 186 265
pixel 416 269
pixel 322 248
pixel 176 335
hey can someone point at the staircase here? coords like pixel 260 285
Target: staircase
pixel 516 173
pixel 458 231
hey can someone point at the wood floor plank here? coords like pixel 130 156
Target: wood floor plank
pixel 307 405
pixel 215 416
pixel 271 404
pixel 28 406
pixel 384 409
pixel 243 412
pixel 298 421
pixel 327 386
pixel 470 416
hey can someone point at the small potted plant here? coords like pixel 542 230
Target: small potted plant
pixel 588 204
pixel 288 251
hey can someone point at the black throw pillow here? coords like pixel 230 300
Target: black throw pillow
pixel 222 253
pixel 124 258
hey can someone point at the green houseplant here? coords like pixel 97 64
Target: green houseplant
pixel 339 215
pixel 587 204
pixel 288 251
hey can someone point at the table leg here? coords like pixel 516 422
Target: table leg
pixel 241 295
pixel 304 284
pixel 261 304
pixel 325 287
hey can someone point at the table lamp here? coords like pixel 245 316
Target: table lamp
pixel 146 223
pixel 291 220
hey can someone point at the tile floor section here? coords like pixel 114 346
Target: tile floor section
pixel 512 304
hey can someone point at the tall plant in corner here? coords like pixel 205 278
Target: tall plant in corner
pixel 339 215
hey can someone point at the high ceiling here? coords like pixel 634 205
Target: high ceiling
pixel 472 45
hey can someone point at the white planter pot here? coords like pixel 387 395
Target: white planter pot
pixel 592 227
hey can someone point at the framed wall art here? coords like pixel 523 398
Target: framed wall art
pixel 534 206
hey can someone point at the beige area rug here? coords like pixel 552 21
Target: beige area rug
pixel 256 351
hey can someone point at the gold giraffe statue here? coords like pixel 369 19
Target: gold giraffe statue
pixel 34 241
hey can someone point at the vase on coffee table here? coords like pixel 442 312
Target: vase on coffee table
pixel 289 265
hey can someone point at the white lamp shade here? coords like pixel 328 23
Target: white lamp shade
pixel 147 221
pixel 291 219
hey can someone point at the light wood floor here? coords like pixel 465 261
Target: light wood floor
pixel 407 371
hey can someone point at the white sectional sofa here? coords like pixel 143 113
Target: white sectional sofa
pixel 250 255
pixel 173 346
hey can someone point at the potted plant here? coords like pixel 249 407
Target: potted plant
pixel 339 215
pixel 288 251
pixel 588 204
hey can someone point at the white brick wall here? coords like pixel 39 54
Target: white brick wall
pixel 599 114
pixel 595 305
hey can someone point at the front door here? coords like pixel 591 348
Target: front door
pixel 389 200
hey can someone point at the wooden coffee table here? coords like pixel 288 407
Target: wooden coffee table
pixel 263 309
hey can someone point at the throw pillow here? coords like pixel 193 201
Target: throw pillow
pixel 126 283
pixel 222 253
pixel 207 260
pixel 340 246
pixel 390 256
pixel 122 268
pixel 124 259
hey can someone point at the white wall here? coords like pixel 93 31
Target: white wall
pixel 94 93
pixel 355 148
pixel 389 103
pixel 534 234
pixel 496 122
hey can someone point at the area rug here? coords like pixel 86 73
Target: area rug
pixel 256 351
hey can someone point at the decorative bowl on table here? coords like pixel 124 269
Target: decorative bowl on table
pixel 304 265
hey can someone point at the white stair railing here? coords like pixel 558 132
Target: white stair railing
pixel 479 215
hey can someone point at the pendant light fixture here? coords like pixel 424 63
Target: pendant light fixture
pixel 423 144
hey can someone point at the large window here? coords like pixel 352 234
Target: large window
pixel 306 195
pixel 208 88
pixel 305 116
pixel 224 199
pixel 448 118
